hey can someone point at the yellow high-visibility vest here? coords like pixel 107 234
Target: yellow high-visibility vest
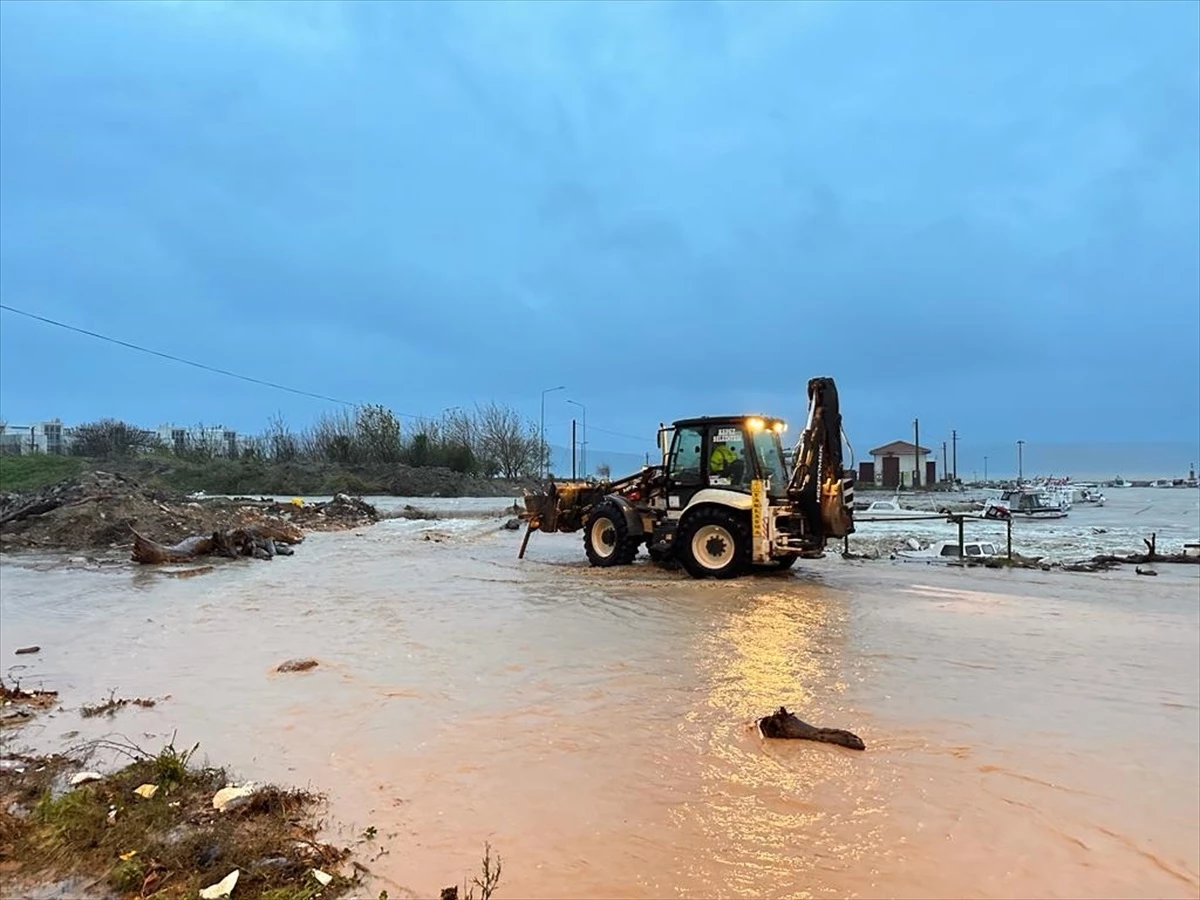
pixel 721 457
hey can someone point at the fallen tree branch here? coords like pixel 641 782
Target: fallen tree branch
pixel 263 541
pixel 783 724
pixel 33 508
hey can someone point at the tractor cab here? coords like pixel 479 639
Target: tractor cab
pixel 725 452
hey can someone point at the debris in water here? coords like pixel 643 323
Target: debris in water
pixel 782 724
pixel 297 665
pixel 1139 570
pixel 18 703
pixel 23 650
pixel 110 706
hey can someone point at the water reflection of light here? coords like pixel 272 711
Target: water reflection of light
pixel 787 814
pixel 774 651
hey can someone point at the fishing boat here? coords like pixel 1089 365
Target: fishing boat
pixel 1088 494
pixel 891 509
pixel 1023 504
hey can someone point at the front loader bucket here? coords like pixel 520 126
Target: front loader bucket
pixel 541 510
pixel 561 506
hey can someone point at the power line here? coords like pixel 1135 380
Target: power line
pixel 247 378
pixel 180 359
pixel 632 437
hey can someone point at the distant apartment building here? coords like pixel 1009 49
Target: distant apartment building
pixel 40 437
pixel 217 440
pixel 51 437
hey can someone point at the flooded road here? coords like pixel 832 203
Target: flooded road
pixel 1028 734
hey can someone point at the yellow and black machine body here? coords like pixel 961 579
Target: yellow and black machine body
pixel 725 498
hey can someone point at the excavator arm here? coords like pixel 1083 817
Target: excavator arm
pixel 819 487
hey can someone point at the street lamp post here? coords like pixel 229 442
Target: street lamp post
pixel 1020 462
pixel 583 445
pixel 542 448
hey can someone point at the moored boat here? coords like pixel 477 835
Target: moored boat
pixel 891 509
pixel 1023 504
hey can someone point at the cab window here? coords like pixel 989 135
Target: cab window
pixel 770 457
pixel 727 464
pixel 685 456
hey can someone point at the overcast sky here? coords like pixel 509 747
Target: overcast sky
pixel 985 215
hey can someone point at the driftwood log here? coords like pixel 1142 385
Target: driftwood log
pixel 782 724
pixel 262 541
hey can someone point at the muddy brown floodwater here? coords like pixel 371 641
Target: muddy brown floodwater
pixel 1028 734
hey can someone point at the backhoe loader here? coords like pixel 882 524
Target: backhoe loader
pixel 723 500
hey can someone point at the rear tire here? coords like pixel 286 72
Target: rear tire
pixel 714 543
pixel 606 537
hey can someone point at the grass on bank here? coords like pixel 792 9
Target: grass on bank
pixel 169 845
pixel 250 477
pixel 26 473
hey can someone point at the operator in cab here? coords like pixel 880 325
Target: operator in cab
pixel 722 459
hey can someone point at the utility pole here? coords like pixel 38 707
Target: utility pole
pixel 945 471
pixel 583 466
pixel 954 444
pixel 542 448
pixel 916 483
pixel 573 470
pixel 1020 462
pixel 985 470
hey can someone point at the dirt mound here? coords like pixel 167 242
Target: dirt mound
pixel 339 513
pixel 101 510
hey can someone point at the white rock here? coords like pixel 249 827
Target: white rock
pixel 222 888
pixel 233 796
pixel 85 777
pixel 323 877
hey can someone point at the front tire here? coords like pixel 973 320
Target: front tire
pixel 606 537
pixel 714 543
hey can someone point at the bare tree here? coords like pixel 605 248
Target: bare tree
pixel 603 470
pixel 281 443
pixel 503 439
pixel 111 438
pixel 334 438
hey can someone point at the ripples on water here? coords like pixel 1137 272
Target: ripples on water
pixel 1027 734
